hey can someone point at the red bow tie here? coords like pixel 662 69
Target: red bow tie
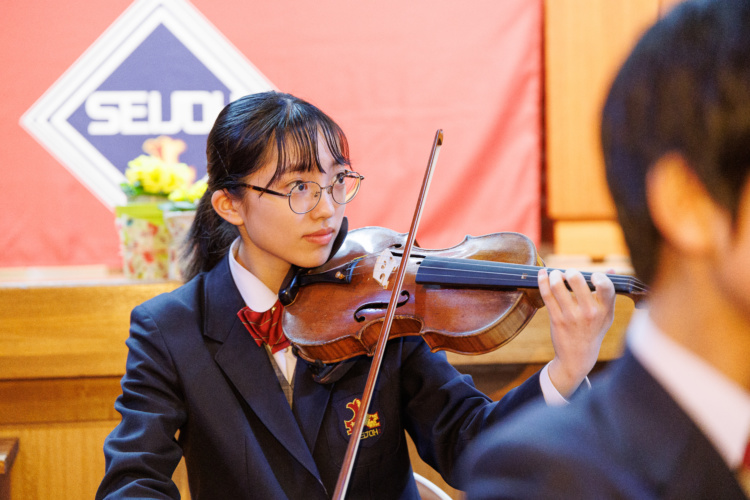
pixel 265 327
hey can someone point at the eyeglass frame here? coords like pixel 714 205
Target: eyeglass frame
pixel 328 188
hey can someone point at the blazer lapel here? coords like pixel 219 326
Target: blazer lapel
pixel 310 402
pixel 247 366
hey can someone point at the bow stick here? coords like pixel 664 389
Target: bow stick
pixel 377 358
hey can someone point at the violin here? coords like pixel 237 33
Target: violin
pixel 469 299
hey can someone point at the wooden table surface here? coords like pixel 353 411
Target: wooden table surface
pixel 70 329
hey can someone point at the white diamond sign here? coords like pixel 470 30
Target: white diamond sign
pixel 160 69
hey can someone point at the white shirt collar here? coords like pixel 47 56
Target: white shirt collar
pixel 255 293
pixel 259 298
pixel 719 406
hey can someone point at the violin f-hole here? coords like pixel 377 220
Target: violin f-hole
pixel 380 306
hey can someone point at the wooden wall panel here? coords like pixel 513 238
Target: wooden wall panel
pixel 68 329
pixel 585 43
pixel 57 461
pixel 598 239
pixel 61 425
pixel 64 461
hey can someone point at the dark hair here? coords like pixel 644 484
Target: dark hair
pixel 685 88
pixel 246 135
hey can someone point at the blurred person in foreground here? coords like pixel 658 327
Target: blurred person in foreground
pixel 671 418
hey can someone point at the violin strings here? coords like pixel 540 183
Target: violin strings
pixel 505 266
pixel 496 269
pixel 500 269
pixel 446 273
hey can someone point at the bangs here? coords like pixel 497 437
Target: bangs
pixel 296 141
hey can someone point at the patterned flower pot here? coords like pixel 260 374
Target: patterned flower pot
pixel 178 224
pixel 144 240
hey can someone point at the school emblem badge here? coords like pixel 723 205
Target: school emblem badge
pixel 372 423
pixel 160 69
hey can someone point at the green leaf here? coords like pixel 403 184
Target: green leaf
pixel 177 206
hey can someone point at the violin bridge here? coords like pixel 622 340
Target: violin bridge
pixel 384 266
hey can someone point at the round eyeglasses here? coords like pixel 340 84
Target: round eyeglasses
pixel 305 196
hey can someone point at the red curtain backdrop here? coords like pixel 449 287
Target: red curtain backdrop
pixel 390 73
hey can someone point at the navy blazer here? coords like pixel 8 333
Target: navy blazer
pixel 197 385
pixel 626 438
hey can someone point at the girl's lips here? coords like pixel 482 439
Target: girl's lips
pixel 322 237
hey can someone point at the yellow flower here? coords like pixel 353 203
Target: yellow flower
pixel 179 194
pixel 197 190
pixel 156 177
pixel 191 193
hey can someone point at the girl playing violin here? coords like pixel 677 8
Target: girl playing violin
pixel 251 419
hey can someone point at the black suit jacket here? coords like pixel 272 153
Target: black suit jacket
pixel 194 371
pixel 626 438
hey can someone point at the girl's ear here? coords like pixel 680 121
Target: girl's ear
pixel 227 207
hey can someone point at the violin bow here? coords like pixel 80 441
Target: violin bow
pixel 377 358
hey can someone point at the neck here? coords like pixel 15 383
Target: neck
pixel 270 271
pixel 699 318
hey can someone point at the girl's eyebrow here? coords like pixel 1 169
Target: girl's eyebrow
pixel 288 177
pixel 334 165
pixel 297 170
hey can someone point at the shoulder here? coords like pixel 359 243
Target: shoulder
pixel 173 326
pixel 206 290
pixel 575 451
pixel 538 428
pixel 539 452
pixel 164 323
pixel 188 308
pixel 175 306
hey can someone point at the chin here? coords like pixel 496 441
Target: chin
pixel 315 259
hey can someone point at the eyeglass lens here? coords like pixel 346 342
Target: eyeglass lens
pixel 305 196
